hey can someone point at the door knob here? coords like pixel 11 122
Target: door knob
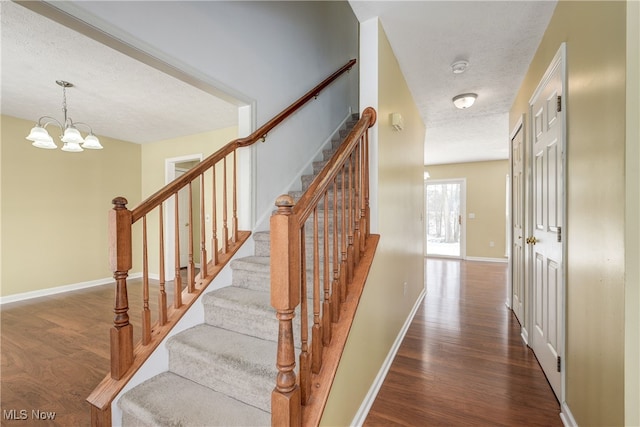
pixel 531 240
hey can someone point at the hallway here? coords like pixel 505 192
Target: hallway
pixel 462 361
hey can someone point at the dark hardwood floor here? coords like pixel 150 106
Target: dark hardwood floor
pixel 55 350
pixel 462 361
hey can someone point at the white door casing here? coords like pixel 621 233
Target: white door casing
pixel 169 214
pixel 517 259
pixel 546 247
pixel 183 214
pixel 459 194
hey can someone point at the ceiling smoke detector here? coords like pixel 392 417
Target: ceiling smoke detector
pixel 459 67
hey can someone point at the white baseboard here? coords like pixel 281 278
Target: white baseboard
pixel 362 413
pixel 566 416
pixel 524 334
pixel 482 259
pixel 61 289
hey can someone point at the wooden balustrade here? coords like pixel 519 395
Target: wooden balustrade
pixel 217 243
pixel 336 207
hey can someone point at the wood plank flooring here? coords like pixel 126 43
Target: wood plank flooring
pixel 55 351
pixel 462 361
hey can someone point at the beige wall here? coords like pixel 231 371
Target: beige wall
pixel 486 198
pixel 154 156
pixel 56 216
pixel 383 308
pixel 595 94
pixel 54 209
pixel 632 235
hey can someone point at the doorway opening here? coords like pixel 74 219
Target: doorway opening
pixel 174 168
pixel 445 227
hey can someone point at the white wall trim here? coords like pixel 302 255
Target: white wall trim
pixel 483 259
pixel 524 334
pixel 170 169
pixel 362 413
pixel 566 416
pixel 61 289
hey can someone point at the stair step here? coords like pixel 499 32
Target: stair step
pixel 297 195
pixel 240 366
pixel 247 312
pixel 242 310
pixel 254 274
pixel 222 372
pixel 262 241
pixel 156 403
pixel 263 244
pixel 306 180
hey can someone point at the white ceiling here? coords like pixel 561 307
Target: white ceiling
pixel 498 38
pixel 115 94
pixel 122 98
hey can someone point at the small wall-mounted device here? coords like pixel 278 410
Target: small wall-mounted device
pixel 397 122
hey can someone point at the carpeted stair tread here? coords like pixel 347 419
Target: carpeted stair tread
pixel 240 366
pixel 171 400
pixel 242 310
pixel 254 263
pixel 222 372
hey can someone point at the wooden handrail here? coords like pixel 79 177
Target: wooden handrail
pixel 293 401
pixel 125 358
pixel 163 194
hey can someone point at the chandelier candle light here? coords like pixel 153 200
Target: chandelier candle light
pixel 70 134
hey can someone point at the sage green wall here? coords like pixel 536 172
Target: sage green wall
pixel 595 33
pixel 486 198
pixel 399 259
pixel 54 209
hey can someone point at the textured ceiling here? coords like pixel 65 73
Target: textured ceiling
pixel 498 38
pixel 122 98
pixel 116 95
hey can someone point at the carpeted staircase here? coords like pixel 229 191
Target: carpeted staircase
pixel 222 373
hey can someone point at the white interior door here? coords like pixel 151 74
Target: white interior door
pixel 517 223
pixel 546 247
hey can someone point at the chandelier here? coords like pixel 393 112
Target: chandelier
pixel 71 136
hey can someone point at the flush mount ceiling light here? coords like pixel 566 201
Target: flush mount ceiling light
pixel 71 136
pixel 459 67
pixel 464 100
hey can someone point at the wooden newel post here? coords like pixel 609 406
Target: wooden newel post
pixel 120 261
pixel 285 296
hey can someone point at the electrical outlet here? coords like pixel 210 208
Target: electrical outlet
pixel 491 244
pixel 404 288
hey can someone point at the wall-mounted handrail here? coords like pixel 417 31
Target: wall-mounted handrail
pixel 214 253
pixel 260 133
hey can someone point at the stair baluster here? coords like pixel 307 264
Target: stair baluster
pixel 127 359
pixel 333 276
pixel 162 295
pixel 146 312
pixel 191 268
